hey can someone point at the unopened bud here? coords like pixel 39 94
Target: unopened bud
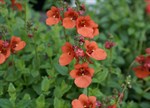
pixel 109 45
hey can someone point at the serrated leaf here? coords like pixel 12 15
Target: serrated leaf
pixel 45 84
pixel 100 76
pixel 61 69
pixel 40 101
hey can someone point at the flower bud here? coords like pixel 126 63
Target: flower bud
pixel 109 45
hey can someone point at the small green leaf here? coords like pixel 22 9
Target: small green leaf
pixel 100 76
pixel 61 69
pixel 45 84
pixel 5 103
pixel 11 88
pixel 40 101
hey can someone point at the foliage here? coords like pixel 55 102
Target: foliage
pixel 33 76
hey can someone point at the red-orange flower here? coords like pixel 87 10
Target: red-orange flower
pixel 2 1
pixel 86 27
pixel 84 102
pixel 68 54
pixel 69 20
pixel 112 106
pixel 82 75
pixel 53 16
pixel 16 44
pixel 143 70
pixel 4 51
pixel 15 5
pixel 93 51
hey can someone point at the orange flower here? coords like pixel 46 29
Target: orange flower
pixel 2 1
pixel 69 20
pixel 93 51
pixel 112 106
pixel 68 54
pixel 86 27
pixel 16 44
pixel 141 72
pixel 84 102
pixel 4 51
pixel 82 75
pixel 15 5
pixel 53 16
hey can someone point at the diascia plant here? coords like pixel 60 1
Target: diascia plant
pixel 67 60
pixel 82 50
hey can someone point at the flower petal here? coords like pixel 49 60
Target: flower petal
pixel 19 6
pixel 14 38
pixel 96 31
pixel 141 72
pixel 83 81
pixel 83 99
pixel 2 58
pixel 91 71
pixel 68 23
pixel 51 21
pixel 73 73
pixel 76 104
pixel 99 54
pixel 65 59
pixel 20 46
pixel 67 47
pixel 7 53
pixel 85 31
pixel 92 99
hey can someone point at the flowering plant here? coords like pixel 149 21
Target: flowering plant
pixel 76 57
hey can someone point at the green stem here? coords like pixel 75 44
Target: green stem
pixel 125 86
pixel 130 66
pixel 85 91
pixel 147 89
pixel 36 53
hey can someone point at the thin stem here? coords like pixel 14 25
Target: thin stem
pixel 130 66
pixel 125 86
pixel 147 89
pixel 85 91
pixel 66 36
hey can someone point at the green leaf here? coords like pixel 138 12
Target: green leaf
pixel 60 103
pixel 49 52
pixel 40 101
pixel 61 69
pixel 12 92
pixel 144 104
pixel 45 84
pixel 95 92
pixel 61 89
pixel 146 96
pixel 25 102
pixel 11 88
pixel 100 76
pixel 5 103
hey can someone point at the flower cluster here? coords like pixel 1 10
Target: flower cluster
pixel 84 102
pixel 8 47
pixel 143 70
pixel 82 51
pixel 16 5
